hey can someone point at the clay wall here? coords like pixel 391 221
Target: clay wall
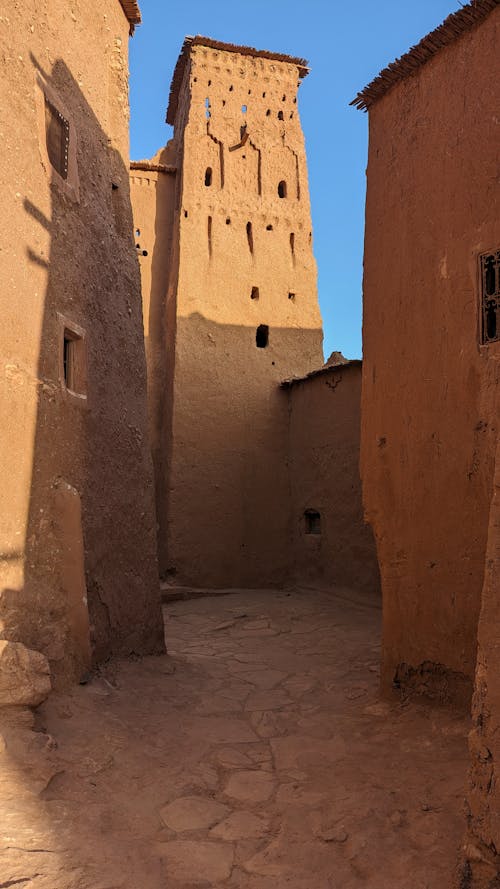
pixel 237 136
pixel 324 432
pixel 152 192
pixel 428 418
pixel 481 864
pixel 76 495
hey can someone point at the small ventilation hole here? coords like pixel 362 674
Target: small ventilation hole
pixel 269 228
pixel 255 293
pixel 250 237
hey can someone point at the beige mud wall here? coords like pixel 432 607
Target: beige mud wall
pixel 428 425
pixel 68 258
pixel 227 498
pixel 324 412
pixel 152 192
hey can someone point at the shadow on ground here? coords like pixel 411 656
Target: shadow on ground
pixel 257 755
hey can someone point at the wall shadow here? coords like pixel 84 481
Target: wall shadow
pixel 90 498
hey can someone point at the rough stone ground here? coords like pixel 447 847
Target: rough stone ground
pixel 266 760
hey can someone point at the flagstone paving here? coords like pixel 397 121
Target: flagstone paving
pixel 258 754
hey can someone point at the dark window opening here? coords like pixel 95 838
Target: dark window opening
pixel 208 177
pixel 138 233
pixel 144 252
pixel 291 296
pixel 263 95
pixel 231 88
pixel 228 221
pixel 250 237
pixel 284 98
pixel 74 362
pixel 490 297
pixel 185 214
pixel 262 336
pixel 209 234
pixel 281 116
pixel 312 520
pixel 57 139
pixel 255 295
pixel 268 112
pixel 282 189
pixel 210 83
pixel 269 228
pixel 292 243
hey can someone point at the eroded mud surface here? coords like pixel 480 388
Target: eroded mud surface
pixel 257 755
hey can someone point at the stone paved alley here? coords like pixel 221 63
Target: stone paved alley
pixel 257 755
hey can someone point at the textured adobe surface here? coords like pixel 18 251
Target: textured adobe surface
pixel 324 412
pixel 68 258
pixel 221 467
pixel 428 404
pixel 481 864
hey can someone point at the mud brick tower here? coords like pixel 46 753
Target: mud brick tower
pixel 241 310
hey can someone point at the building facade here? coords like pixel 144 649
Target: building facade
pixel 236 266
pixel 78 560
pixel 431 334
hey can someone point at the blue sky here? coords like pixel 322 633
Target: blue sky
pixel 346 45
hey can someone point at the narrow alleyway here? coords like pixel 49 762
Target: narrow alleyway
pixel 257 755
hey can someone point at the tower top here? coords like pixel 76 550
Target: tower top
pixel 180 67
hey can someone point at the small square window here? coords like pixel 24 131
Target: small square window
pixel 490 297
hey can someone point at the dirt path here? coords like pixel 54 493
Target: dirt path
pixel 266 760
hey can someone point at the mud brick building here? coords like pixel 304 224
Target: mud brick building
pixel 78 566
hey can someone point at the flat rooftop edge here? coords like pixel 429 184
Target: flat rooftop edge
pixel 453 27
pixel 326 369
pixel 210 43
